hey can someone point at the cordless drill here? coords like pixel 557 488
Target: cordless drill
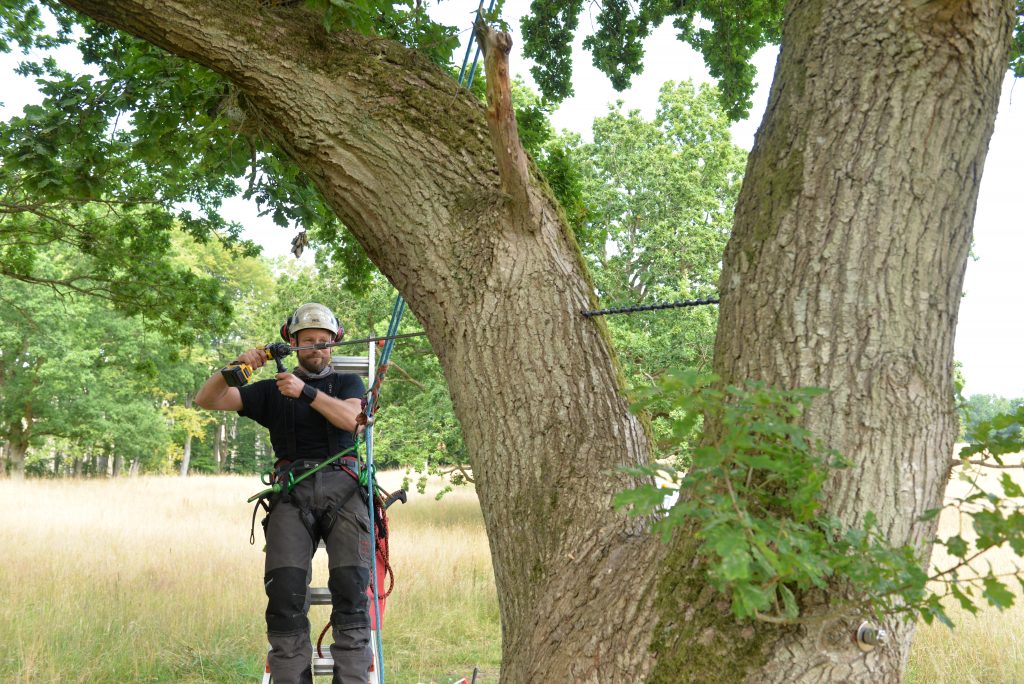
pixel 237 374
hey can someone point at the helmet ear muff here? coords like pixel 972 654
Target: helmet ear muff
pixel 287 324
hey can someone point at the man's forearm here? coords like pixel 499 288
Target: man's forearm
pixel 341 413
pixel 215 395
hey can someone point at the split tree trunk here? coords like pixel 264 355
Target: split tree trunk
pixel 850 244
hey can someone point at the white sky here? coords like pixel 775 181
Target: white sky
pixel 991 324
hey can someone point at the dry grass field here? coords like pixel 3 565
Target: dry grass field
pixel 987 648
pixel 154 580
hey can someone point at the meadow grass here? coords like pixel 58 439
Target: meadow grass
pixel 154 580
pixel 986 648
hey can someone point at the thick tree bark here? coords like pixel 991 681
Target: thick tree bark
pixel 404 158
pixel 844 272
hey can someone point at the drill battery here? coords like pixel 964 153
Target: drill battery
pixel 236 374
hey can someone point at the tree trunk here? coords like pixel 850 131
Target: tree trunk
pixel 218 448
pixel 451 213
pixel 844 271
pixel 19 434
pixel 77 470
pixel 58 461
pixel 16 450
pixel 118 464
pixel 187 456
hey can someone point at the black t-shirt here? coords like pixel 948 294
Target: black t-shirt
pixel 315 437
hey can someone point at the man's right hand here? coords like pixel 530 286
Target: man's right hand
pixel 215 395
pixel 254 357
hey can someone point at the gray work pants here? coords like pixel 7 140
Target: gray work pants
pixel 327 505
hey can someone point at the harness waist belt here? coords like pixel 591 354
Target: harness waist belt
pixel 300 466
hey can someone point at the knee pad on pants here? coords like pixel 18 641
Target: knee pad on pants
pixel 286 601
pixel 351 607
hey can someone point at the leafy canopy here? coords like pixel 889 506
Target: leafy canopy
pixel 726 33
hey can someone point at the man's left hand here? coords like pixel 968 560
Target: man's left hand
pixel 289 385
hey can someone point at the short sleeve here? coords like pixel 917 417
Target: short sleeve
pixel 352 387
pixel 256 400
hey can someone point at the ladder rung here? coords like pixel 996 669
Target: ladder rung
pixel 323 666
pixel 351 364
pixel 319 596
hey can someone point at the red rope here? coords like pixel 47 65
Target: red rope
pixel 320 641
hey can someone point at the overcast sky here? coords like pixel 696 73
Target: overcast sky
pixel 991 323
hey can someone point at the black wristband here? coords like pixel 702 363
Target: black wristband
pixel 309 393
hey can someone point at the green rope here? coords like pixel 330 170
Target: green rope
pixel 292 480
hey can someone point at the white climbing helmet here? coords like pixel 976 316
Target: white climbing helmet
pixel 312 315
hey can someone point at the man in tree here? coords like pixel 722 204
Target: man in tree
pixel 311 414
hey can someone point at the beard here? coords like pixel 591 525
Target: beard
pixel 313 364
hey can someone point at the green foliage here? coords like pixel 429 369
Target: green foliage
pixel 547 40
pixel 553 154
pixel 978 412
pixel 406 22
pixel 146 133
pixel 659 198
pixel 753 497
pixel 1017 46
pixel 727 35
pixel 81 380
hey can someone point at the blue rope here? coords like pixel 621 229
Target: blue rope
pixel 385 357
pixel 469 46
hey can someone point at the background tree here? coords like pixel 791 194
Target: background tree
pixel 980 408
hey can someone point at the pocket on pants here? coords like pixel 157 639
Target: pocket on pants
pixel 349 540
